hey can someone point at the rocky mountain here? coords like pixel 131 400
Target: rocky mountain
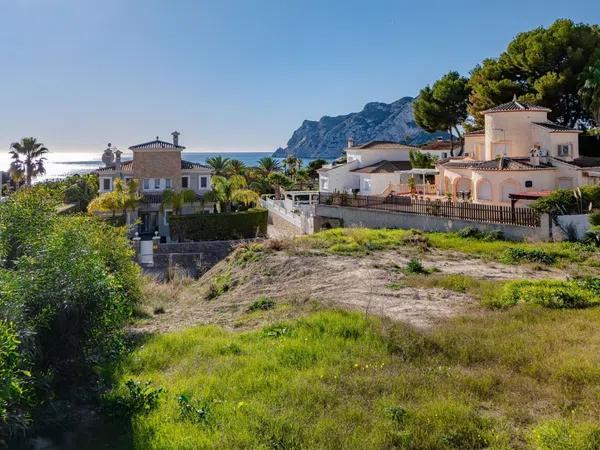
pixel 327 137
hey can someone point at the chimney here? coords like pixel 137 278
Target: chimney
pixel 350 142
pixel 534 156
pixel 175 135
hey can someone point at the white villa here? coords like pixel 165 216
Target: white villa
pixel 374 168
pixel 519 154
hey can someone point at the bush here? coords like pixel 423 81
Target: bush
pixel 219 284
pixel 548 293
pixel 415 266
pixel 566 201
pixel 517 255
pixel 564 435
pixel 15 394
pixel 224 226
pixel 475 233
pixel 262 304
pixel 134 398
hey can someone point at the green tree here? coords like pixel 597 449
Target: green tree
pixel 268 165
pixel 420 160
pixel 314 166
pixel 279 181
pixel 219 165
pixel 227 191
pixel 236 167
pixel 32 163
pixel 177 199
pixel 541 66
pixel 80 189
pixel 443 106
pixel 590 91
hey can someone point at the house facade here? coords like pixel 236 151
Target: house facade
pixel 157 166
pixel 519 153
pixel 374 168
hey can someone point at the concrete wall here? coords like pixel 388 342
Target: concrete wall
pixel 579 222
pixel 359 217
pixel 192 258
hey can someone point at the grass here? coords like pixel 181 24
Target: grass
pixel 527 377
pixel 359 241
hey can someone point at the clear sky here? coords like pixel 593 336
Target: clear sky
pixel 233 74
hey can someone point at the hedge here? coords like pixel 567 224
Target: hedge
pixel 219 227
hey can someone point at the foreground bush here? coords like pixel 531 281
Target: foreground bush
pixel 67 286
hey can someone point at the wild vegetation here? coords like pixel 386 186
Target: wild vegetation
pixel 68 284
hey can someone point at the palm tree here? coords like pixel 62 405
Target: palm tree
pixel 176 200
pixel 279 181
pixel 32 164
pixel 268 165
pixel 219 164
pixel 236 167
pixel 292 165
pixel 109 201
pixel 227 191
pixel 128 194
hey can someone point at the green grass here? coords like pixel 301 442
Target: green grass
pixel 358 241
pixel 510 379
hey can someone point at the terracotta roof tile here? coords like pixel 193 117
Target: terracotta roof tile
pixel 515 105
pixel 555 126
pixel 385 167
pixel 500 164
pixel 156 144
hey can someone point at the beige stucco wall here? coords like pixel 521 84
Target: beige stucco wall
pixel 475 146
pixel 496 182
pixel 370 156
pixel 513 128
pixel 158 163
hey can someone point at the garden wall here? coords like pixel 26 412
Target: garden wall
pixel 219 227
pixel 369 218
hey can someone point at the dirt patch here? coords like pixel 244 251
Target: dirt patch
pixel 358 283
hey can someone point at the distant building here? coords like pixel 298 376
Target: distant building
pixel 157 166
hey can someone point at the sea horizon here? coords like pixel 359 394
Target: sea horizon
pixel 61 164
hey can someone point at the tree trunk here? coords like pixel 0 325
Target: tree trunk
pixel 461 140
pixel 451 142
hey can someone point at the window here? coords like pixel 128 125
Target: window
pixel 157 183
pixel 564 149
pixel 146 184
pixel 167 216
pixel 106 184
pixel 185 182
pixel 168 183
pixel 528 183
pixel 324 183
pixel 367 185
pixel 444 155
pixel 500 149
pixel 203 182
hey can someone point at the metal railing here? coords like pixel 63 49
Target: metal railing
pixel 440 208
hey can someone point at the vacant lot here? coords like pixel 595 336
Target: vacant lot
pixel 421 363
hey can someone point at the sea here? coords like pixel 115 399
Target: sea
pixel 62 164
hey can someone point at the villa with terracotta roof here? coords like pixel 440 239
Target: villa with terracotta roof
pixel 518 154
pixel 157 166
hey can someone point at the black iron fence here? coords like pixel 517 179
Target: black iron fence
pixel 441 208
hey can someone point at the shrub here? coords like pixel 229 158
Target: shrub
pixel 249 253
pixel 475 233
pixel 548 293
pixel 219 284
pixel 518 254
pixel 565 435
pixel 133 398
pixel 223 226
pixel 415 266
pixel 595 218
pixel 565 201
pixel 15 393
pixel 262 303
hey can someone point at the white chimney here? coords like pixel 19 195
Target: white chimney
pixel 175 135
pixel 350 142
pixel 534 156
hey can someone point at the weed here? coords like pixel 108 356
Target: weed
pixel 517 255
pixel 195 412
pixel 135 398
pixel 262 304
pixel 248 253
pixel 219 284
pixel 415 266
pixel 396 286
pixel 548 293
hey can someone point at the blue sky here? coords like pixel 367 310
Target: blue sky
pixel 233 74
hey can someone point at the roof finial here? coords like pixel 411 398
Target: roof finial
pixel 515 98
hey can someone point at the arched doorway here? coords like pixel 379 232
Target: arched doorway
pixel 462 187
